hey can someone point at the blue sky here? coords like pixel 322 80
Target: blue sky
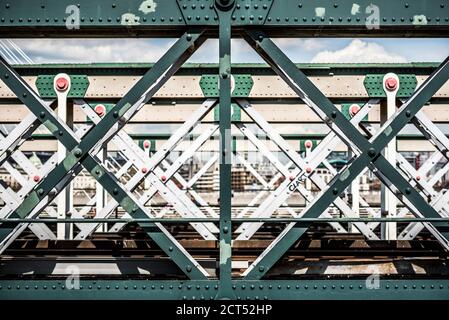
pixel 299 50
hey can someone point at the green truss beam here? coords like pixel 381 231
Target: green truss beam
pixel 169 18
pixel 242 290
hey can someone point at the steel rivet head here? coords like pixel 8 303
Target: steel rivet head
pixel 115 114
pixel 335 191
pixel 408 113
pixel 115 191
pixel 188 268
pixel 408 190
pixel 42 114
pixel 261 268
pixel 78 152
pixel 372 152
pixel 189 37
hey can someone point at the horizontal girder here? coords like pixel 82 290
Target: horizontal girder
pixel 169 18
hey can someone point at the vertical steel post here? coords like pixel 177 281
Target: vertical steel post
pixel 225 268
pixel 388 199
pixel 62 86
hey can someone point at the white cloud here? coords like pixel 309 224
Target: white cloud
pixel 359 51
pixel 93 50
pixel 300 44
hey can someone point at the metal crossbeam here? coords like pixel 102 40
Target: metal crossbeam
pixel 168 18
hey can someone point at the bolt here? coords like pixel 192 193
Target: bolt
pixel 308 144
pixel 391 84
pixel 62 84
pixel 78 152
pixel 100 110
pixel 354 109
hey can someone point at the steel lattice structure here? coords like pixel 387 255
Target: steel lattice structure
pixel 232 96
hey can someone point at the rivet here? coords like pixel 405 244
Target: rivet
pixel 372 152
pixel 78 152
pixel 188 268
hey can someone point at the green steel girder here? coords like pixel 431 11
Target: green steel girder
pixel 110 18
pixel 374 85
pixel 78 86
pixel 243 290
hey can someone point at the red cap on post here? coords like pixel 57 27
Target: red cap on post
pixel 62 84
pixel 163 178
pixel 308 144
pixel 391 84
pixel 354 109
pixel 100 110
pixel 146 144
pixel 36 178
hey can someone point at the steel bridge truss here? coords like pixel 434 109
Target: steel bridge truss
pixel 257 21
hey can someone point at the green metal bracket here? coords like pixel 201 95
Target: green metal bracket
pixel 374 85
pixel 243 85
pixel 79 85
pixel 345 109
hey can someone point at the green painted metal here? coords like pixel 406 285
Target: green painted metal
pixel 374 85
pixel 21 18
pixel 243 85
pixel 225 225
pixel 78 87
pixel 371 152
pixel 243 290
pixel 286 18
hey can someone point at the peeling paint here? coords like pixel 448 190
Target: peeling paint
pixel 129 19
pixel 355 9
pixel 420 20
pixel 148 6
pixel 320 12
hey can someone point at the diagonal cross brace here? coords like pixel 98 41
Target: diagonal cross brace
pixel 370 151
pixel 154 78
